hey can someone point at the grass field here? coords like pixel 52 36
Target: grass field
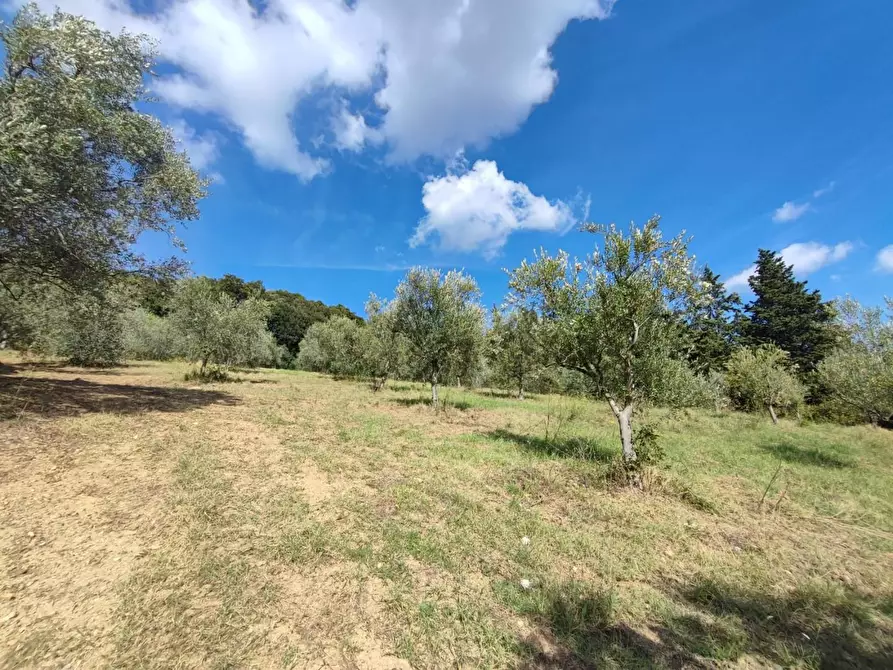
pixel 292 521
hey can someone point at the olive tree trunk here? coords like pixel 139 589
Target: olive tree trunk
pixel 624 416
pixel 773 414
pixel 434 391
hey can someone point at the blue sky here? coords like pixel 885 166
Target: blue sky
pixel 348 143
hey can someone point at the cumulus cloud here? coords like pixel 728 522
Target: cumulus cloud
pixel 885 259
pixel 477 210
pixel 805 257
pixel 790 211
pixel 445 73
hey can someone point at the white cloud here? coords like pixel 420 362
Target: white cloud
pixel 478 209
pixel 459 72
pixel 790 211
pixel 352 133
pixel 445 73
pixel 818 193
pixel 885 259
pixel 805 257
pixel 203 150
pixel 739 280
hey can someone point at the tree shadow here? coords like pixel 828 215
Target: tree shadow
pixel 791 453
pixel 38 396
pixel 61 367
pixel 573 629
pixel 452 404
pixel 579 448
pixel 830 629
pixel 834 627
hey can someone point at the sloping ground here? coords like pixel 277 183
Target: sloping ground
pixel 292 521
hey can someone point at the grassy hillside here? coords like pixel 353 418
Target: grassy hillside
pixel 289 520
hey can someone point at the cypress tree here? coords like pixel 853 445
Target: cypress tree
pixel 785 313
pixel 712 325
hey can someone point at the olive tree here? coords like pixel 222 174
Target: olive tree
pixel 214 327
pixel 83 171
pixel 859 373
pixel 149 337
pixel 610 316
pixel 443 323
pixel 332 346
pixel 762 378
pixel 384 352
pixel 513 351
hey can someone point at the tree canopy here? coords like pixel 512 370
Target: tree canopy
pixel 786 314
pixel 611 315
pixel 443 323
pixel 83 172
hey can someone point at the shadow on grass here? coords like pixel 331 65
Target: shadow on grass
pixel 60 367
pixel 452 404
pixel 805 455
pixel 569 447
pixel 832 628
pixel 35 396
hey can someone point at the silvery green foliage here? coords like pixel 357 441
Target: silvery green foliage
pixel 214 328
pixel 611 316
pixel 859 373
pixel 384 352
pixel 148 337
pixel 82 172
pixel 513 350
pixel 332 347
pixel 442 321
pixel 761 378
pixel 93 332
pixel 680 386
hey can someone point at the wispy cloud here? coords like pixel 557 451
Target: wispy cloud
pixel 790 211
pixel 819 192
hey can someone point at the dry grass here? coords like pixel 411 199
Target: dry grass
pixel 292 521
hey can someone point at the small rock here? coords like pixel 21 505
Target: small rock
pixel 736 549
pixel 30 533
pixel 525 540
pixel 526 584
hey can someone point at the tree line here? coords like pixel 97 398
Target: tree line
pixel 84 172
pixel 634 323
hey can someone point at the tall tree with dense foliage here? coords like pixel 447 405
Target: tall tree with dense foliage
pixel 83 173
pixel 859 373
pixel 513 350
pixel 607 316
pixel 443 323
pixel 786 314
pixel 761 378
pixel 215 328
pixel 712 325
pixel 291 315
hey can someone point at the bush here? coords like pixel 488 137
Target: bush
pixel 760 378
pixel 93 333
pixel 149 337
pixel 680 386
pixel 858 375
